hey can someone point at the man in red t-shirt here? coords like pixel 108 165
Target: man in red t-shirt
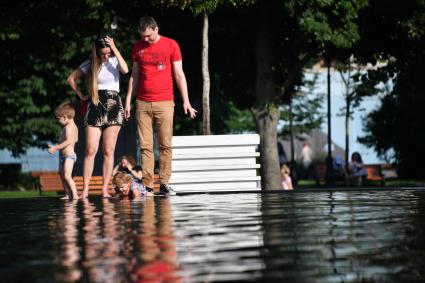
pixel 156 60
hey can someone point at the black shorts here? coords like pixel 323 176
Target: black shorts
pixel 109 111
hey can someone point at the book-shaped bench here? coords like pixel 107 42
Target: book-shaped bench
pixel 215 163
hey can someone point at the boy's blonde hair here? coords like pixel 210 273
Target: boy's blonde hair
pixel 121 179
pixel 65 109
pixel 285 169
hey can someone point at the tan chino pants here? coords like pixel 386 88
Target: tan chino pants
pixel 159 115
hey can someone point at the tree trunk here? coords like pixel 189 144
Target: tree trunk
pixel 266 112
pixel 266 122
pixel 206 125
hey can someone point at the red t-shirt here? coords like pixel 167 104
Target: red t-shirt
pixel 155 68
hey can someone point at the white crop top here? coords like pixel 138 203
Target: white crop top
pixel 109 75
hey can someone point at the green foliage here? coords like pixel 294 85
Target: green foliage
pixel 328 22
pixel 41 43
pixel 358 84
pixel 238 120
pixel 196 7
pixel 396 130
pixel 36 51
pixel 307 113
pixel 199 6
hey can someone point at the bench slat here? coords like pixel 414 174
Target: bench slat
pixel 215 140
pixel 214 167
pixel 215 173
pixel 204 155
pixel 211 150
pixel 211 187
pixel 223 162
pixel 215 179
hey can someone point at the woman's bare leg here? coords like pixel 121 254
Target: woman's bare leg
pixel 110 135
pixel 92 144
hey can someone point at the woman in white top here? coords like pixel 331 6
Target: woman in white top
pixel 105 112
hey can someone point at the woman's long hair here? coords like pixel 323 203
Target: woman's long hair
pixel 95 64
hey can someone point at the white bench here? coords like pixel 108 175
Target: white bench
pixel 215 163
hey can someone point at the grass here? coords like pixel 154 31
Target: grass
pixel 26 194
pixel 404 183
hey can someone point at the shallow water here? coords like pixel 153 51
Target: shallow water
pixel 355 236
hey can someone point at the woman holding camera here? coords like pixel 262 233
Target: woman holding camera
pixel 105 113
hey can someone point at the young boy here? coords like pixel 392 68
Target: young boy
pixel 65 114
pixel 127 186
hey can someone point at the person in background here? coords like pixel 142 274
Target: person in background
pixel 338 166
pixel 105 113
pixel 306 156
pixel 283 159
pixel 356 169
pixel 65 114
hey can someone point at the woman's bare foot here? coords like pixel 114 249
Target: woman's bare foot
pixel 75 197
pixel 106 195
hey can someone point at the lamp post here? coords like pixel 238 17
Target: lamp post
pixel 329 170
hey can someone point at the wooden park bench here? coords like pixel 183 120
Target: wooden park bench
pixel 215 163
pixel 95 186
pixel 374 174
pixel 51 182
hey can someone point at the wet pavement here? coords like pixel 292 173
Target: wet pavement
pixel 323 236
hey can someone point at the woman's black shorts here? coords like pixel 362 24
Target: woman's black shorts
pixel 108 112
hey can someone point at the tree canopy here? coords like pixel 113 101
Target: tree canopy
pixel 396 129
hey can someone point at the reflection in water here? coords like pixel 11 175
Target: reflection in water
pixel 102 242
pixel 116 241
pixel 357 236
pixel 338 237
pixel 156 244
pixel 68 254
pixel 219 237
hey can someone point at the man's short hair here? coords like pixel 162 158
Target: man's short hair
pixel 147 22
pixel 65 109
pixel 121 179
